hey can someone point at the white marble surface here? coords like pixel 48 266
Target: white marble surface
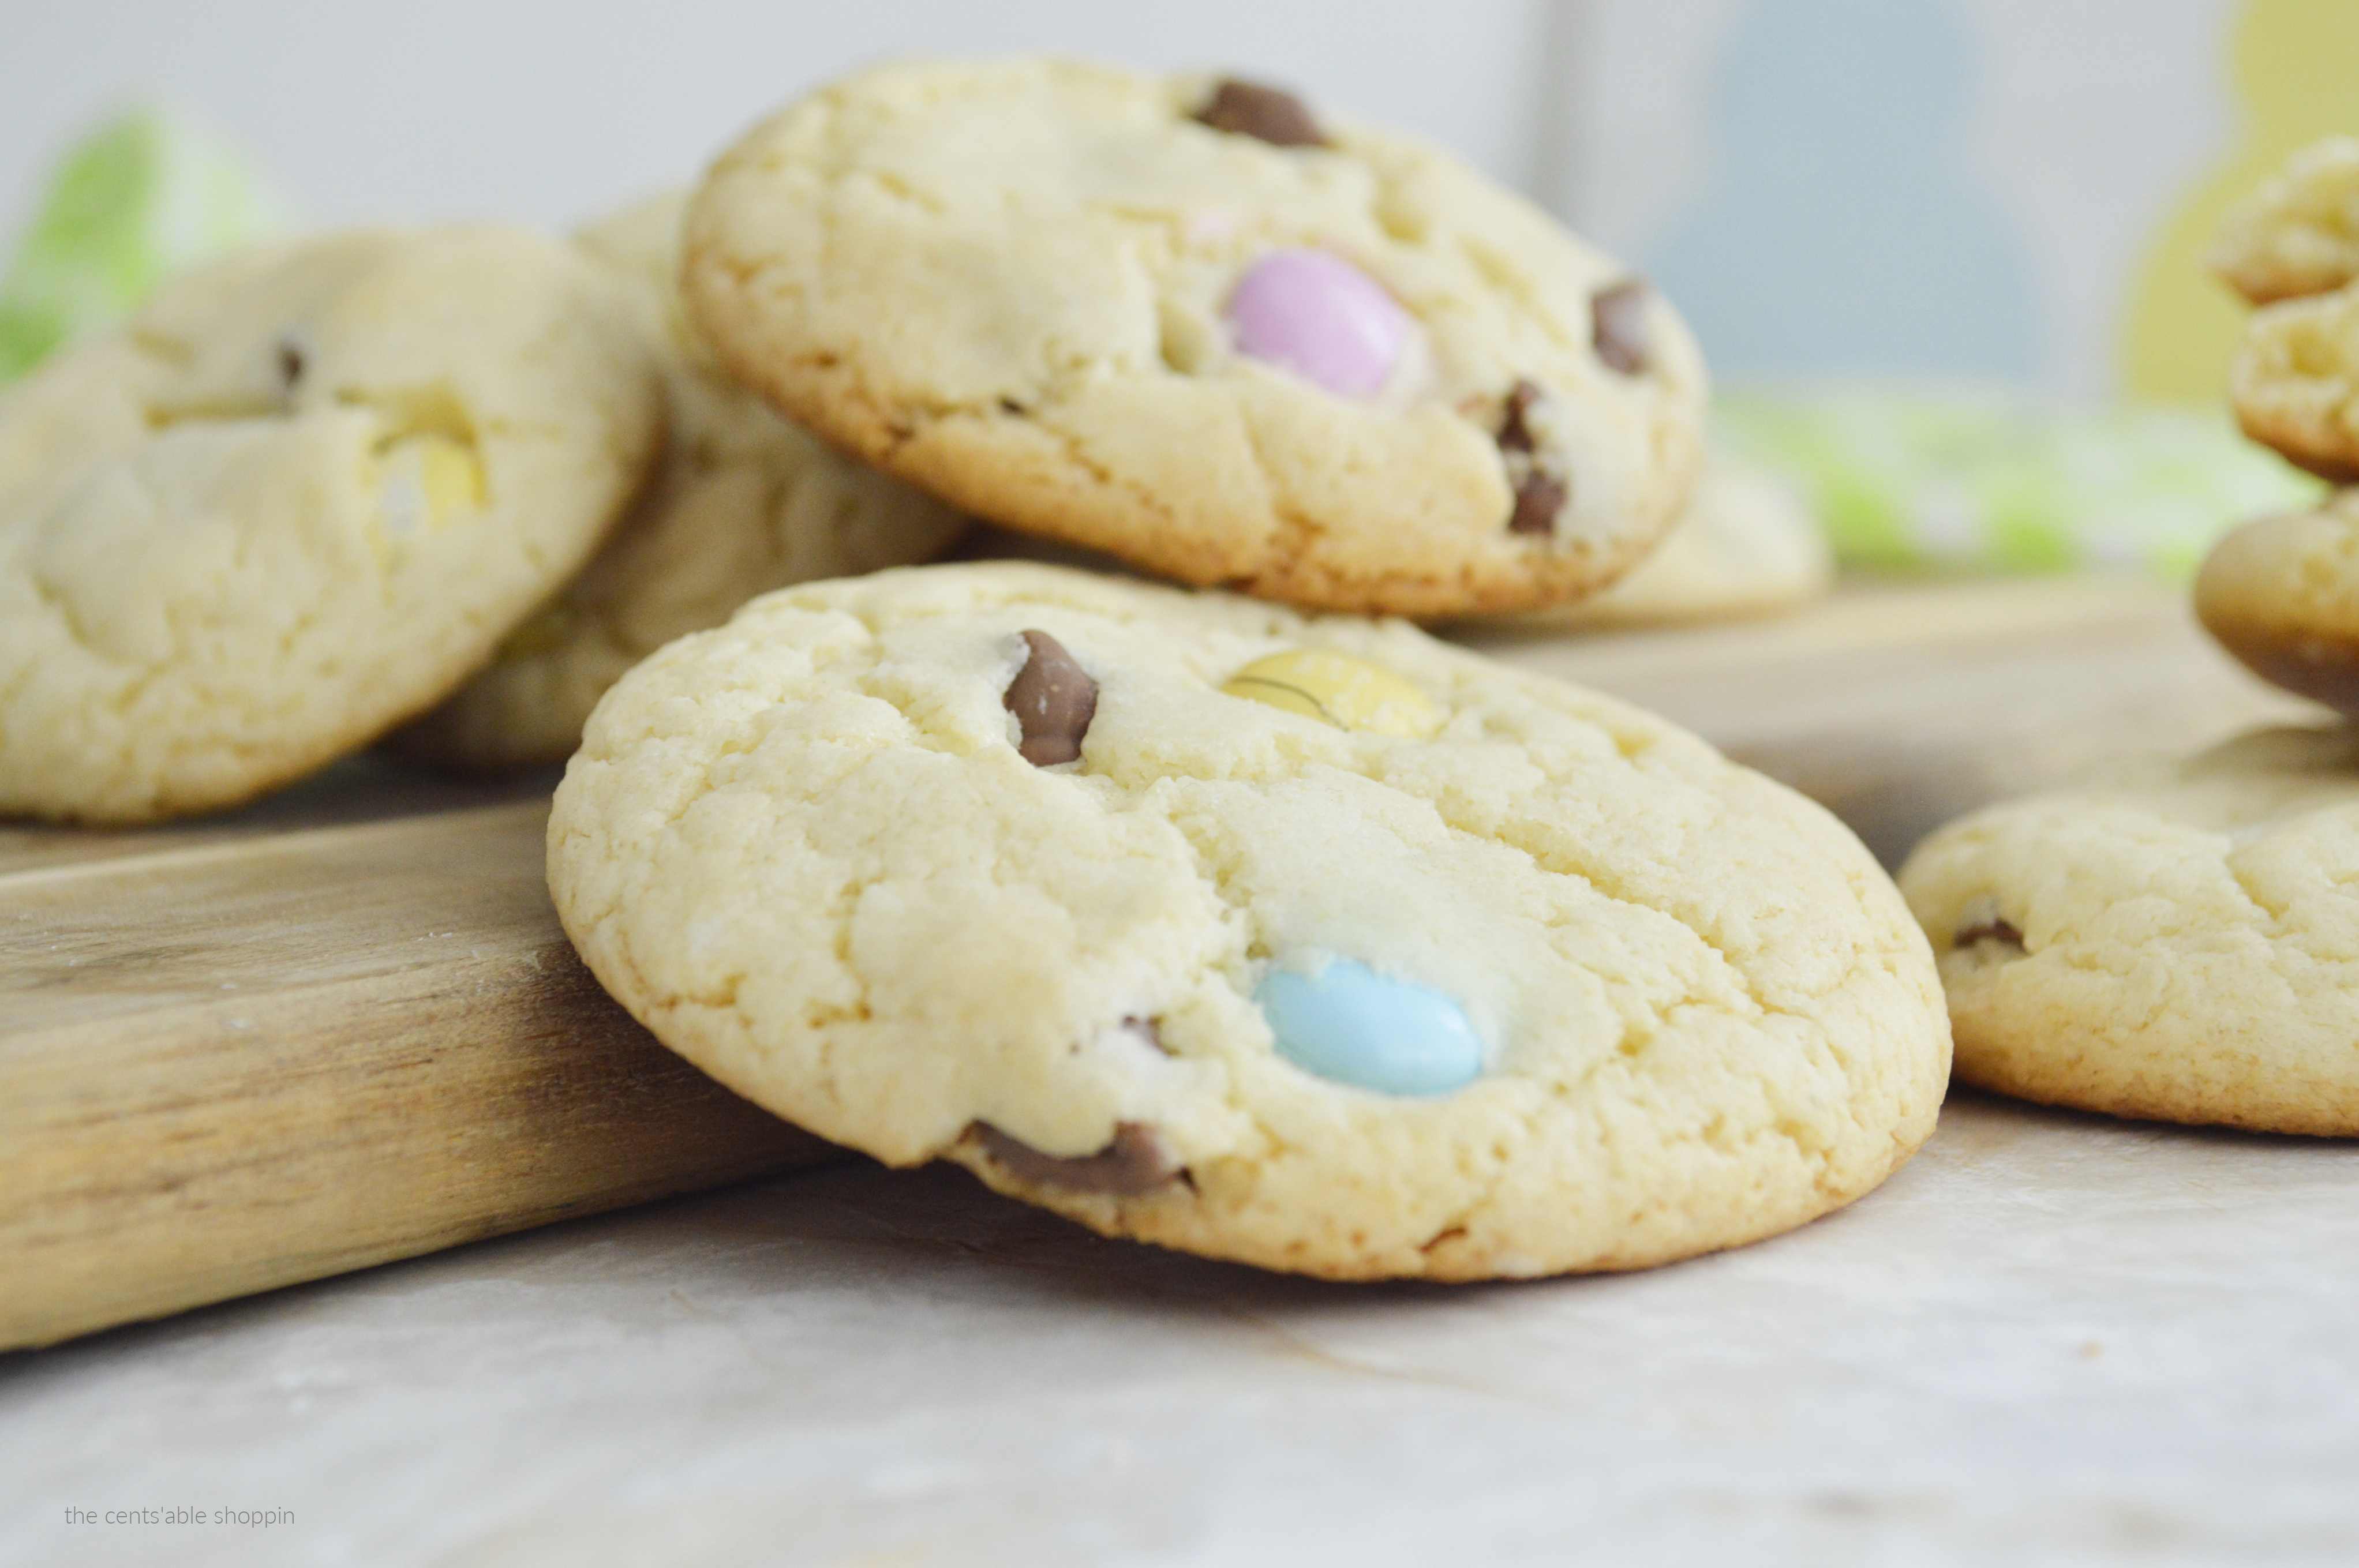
pixel 2052 1339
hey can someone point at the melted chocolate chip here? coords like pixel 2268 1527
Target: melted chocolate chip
pixel 1265 113
pixel 290 364
pixel 1515 435
pixel 1053 699
pixel 1538 498
pixel 1991 930
pixel 1137 1161
pixel 1618 326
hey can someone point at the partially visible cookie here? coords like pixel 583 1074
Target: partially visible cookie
pixel 2300 233
pixel 1747 544
pixel 1314 944
pixel 2295 382
pixel 295 499
pixel 2282 594
pixel 1195 325
pixel 2176 941
pixel 743 503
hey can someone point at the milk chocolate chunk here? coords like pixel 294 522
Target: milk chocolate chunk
pixel 1538 498
pixel 1515 435
pixel 1991 930
pixel 1265 113
pixel 1137 1161
pixel 1053 699
pixel 1618 326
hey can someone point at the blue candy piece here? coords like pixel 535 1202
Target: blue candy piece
pixel 1350 1023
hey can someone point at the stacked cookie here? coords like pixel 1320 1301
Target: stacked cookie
pixel 1303 940
pixel 297 497
pixel 315 491
pixel 2181 940
pixel 1267 931
pixel 1190 325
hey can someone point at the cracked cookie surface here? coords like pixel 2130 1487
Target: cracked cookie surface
pixel 829 852
pixel 2176 941
pixel 743 501
pixel 296 500
pixel 1059 295
pixel 2295 382
pixel 2300 233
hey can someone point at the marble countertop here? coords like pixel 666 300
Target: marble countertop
pixel 2051 1339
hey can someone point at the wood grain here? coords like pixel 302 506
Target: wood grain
pixel 1898 706
pixel 238 1062
pixel 343 1026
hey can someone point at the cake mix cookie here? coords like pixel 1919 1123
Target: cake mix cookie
pixel 2282 594
pixel 1200 326
pixel 1314 944
pixel 297 499
pixel 2178 941
pixel 2295 382
pixel 2300 233
pixel 1746 545
pixel 743 503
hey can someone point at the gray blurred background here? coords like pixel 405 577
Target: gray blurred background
pixel 1941 187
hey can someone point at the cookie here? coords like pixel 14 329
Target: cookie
pixel 1198 327
pixel 2300 233
pixel 2282 594
pixel 1744 545
pixel 2295 382
pixel 745 502
pixel 2176 941
pixel 295 499
pixel 1314 944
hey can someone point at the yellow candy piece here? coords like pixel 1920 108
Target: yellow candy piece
pixel 1348 693
pixel 429 479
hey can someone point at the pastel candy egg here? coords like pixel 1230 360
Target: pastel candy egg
pixel 1319 316
pixel 1348 693
pixel 1349 1023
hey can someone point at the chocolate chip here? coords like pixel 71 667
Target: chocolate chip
pixel 1618 326
pixel 1515 435
pixel 1053 699
pixel 1137 1161
pixel 290 364
pixel 1538 498
pixel 1991 930
pixel 1265 113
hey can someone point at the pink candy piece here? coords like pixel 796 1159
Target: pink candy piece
pixel 1321 318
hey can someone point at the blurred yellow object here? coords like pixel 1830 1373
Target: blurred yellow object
pixel 2295 79
pixel 428 480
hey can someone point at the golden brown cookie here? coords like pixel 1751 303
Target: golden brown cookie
pixel 2295 382
pixel 1311 943
pixel 2282 594
pixel 2300 233
pixel 2178 940
pixel 1203 328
